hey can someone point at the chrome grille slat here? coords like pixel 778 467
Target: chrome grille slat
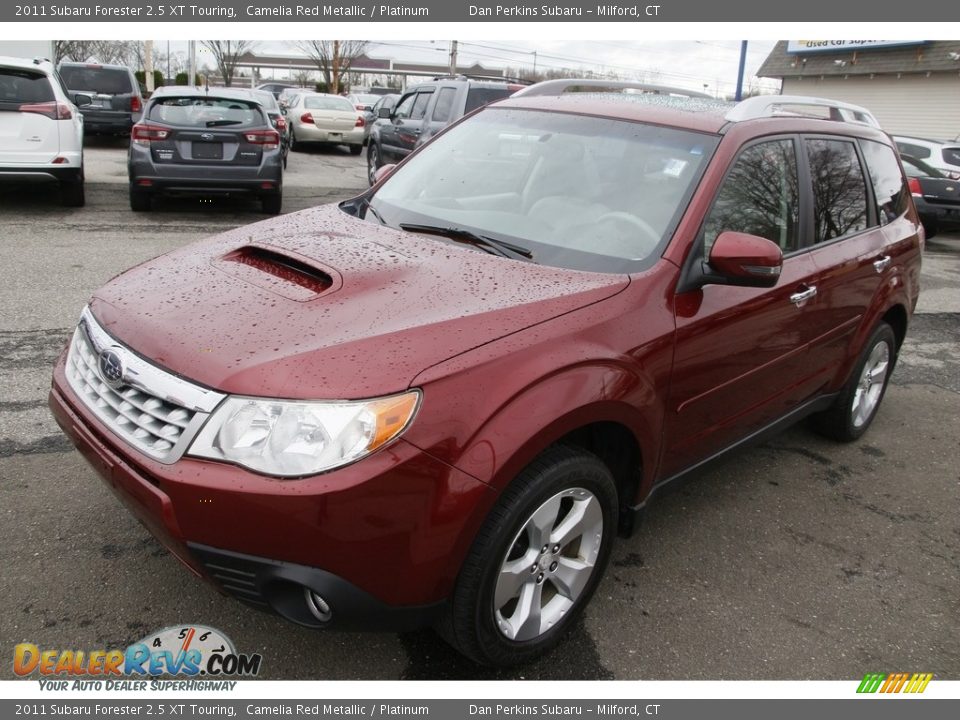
pixel 156 420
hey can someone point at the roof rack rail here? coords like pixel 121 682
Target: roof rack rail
pixel 558 87
pixel 761 106
pixel 497 78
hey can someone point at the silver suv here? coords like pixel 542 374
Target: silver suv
pixel 41 129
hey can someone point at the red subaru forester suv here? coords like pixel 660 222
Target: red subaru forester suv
pixel 439 402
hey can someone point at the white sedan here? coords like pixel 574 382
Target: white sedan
pixel 321 118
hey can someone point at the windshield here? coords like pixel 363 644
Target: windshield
pixel 580 192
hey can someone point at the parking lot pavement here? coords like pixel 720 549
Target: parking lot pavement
pixel 796 559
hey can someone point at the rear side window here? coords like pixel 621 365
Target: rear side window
pixel 951 155
pixel 839 189
pixel 205 112
pixel 760 196
pixel 889 186
pixel 18 87
pixel 480 96
pixel 107 81
pixel 443 110
pixel 916 151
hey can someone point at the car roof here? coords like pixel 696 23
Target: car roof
pixel 26 63
pixel 694 111
pixel 191 91
pixel 94 66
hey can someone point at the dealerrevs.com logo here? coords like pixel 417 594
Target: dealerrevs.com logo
pixel 888 683
pixel 189 651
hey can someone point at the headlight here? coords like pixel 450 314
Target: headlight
pixel 290 439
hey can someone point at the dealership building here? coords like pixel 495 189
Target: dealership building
pixel 912 87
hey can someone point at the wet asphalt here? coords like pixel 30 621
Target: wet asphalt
pixel 796 559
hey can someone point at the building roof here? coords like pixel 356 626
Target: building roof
pixel 932 56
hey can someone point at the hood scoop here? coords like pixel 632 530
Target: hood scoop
pixel 280 271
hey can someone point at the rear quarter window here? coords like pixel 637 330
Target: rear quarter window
pixel 889 186
pixel 478 97
pixel 951 156
pixel 23 86
pixel 916 151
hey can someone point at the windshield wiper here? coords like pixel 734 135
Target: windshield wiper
pixel 219 123
pixel 491 245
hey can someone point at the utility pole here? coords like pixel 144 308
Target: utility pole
pixel 453 57
pixel 148 64
pixel 192 71
pixel 743 62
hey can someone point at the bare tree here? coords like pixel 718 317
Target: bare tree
pixel 333 57
pixel 226 54
pixel 109 52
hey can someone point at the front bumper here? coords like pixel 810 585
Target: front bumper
pixel 382 540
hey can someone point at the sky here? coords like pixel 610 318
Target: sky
pixel 683 63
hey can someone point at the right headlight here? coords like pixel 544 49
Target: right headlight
pixel 291 438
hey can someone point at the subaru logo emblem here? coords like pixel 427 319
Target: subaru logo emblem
pixel 111 368
pixel 206 136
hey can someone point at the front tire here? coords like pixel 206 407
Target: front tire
pixel 856 406
pixel 373 162
pixel 537 560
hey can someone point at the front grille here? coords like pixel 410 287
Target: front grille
pixel 150 409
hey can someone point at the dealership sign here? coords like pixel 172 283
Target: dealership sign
pixel 808 46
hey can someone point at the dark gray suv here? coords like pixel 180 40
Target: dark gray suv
pixel 196 141
pixel 116 103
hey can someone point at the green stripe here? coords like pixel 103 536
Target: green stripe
pixel 871 682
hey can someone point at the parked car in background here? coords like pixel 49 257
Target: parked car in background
pixel 275 88
pixel 936 196
pixel 41 129
pixel 442 400
pixel 424 110
pixel 363 101
pixel 327 119
pixel 205 141
pixel 370 116
pixel 277 119
pixel 287 95
pixel 117 103
pixel 942 156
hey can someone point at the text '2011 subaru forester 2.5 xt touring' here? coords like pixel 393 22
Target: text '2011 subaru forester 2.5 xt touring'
pixel 439 402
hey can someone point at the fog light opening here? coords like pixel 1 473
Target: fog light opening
pixel 318 607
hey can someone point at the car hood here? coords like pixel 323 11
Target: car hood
pixel 318 304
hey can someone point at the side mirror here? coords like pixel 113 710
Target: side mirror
pixel 382 172
pixel 384 113
pixel 741 259
pixel 81 99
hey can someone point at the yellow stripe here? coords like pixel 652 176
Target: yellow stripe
pixel 912 685
pixel 926 681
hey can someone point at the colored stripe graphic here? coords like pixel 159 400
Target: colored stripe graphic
pixel 894 683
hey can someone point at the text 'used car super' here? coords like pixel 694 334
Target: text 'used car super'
pixel 441 401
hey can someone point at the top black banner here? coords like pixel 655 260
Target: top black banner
pixel 651 11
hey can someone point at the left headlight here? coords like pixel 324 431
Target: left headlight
pixel 292 439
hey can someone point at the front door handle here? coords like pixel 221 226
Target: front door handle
pixel 881 264
pixel 799 298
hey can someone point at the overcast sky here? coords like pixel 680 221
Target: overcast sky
pixel 684 63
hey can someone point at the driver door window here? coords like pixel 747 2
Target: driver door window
pixel 759 196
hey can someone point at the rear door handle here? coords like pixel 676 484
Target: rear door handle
pixel 881 264
pixel 799 298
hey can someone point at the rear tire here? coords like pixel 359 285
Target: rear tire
pixel 140 201
pixel 294 143
pixel 536 561
pixel 356 149
pixel 856 406
pixel 72 192
pixel 272 204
